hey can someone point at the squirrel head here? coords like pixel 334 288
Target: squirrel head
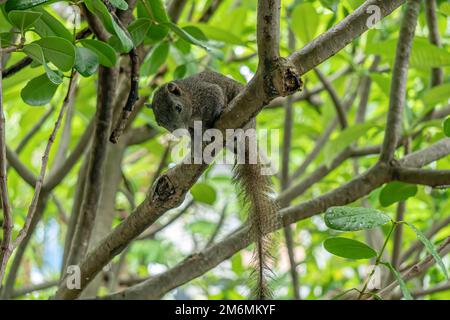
pixel 172 107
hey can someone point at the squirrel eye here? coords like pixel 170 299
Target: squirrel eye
pixel 178 108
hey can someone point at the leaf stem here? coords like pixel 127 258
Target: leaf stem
pixel 377 261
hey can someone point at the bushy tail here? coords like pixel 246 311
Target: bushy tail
pixel 256 188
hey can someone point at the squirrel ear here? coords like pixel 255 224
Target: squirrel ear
pixel 173 88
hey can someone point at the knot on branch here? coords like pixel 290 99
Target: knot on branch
pixel 282 79
pixel 163 189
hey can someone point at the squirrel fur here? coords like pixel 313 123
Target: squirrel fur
pixel 203 97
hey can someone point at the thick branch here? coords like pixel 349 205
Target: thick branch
pixel 170 189
pixel 197 264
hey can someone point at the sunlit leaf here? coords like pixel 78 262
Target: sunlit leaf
pixel 106 55
pixel 23 19
pixel 354 218
pixel 204 193
pixel 436 95
pixel 99 9
pixel 348 248
pixel 396 191
pixel 305 22
pixel 155 59
pixel 186 36
pixel 59 51
pixel 345 139
pixel 48 26
pixel 157 10
pixel 38 91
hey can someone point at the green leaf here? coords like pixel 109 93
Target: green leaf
pixel 86 61
pixel 436 95
pixel 138 30
pixel 119 4
pixel 180 72
pixel 344 139
pixel 398 277
pixel 158 10
pixel 106 55
pixel 424 55
pixel 204 193
pixel 156 33
pixel 349 248
pixel 447 127
pixel 36 53
pixel 155 59
pixel 59 51
pixel 99 9
pixel 48 26
pixel 203 227
pixel 430 248
pixel 6 39
pixel 23 19
pixel 38 91
pixel 354 218
pixel 185 35
pixel 22 4
pixel 396 191
pixel 219 34
pixel 305 22
pixel 383 81
pixel 445 8
pixel 196 32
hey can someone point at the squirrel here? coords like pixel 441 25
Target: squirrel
pixel 203 97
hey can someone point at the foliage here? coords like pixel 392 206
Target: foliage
pixel 45 32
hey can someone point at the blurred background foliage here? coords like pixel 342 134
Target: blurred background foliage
pixel 230 35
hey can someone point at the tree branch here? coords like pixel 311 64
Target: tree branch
pixel 339 107
pixel 340 35
pixel 432 178
pixel 6 243
pixel 169 190
pixel 418 268
pixel 437 74
pixel 105 96
pixel 45 157
pixel 399 79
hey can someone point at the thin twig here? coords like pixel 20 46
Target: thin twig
pixel 219 225
pixel 132 98
pixel 5 249
pixel 340 109
pixel 45 157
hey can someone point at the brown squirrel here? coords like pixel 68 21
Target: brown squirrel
pixel 202 97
